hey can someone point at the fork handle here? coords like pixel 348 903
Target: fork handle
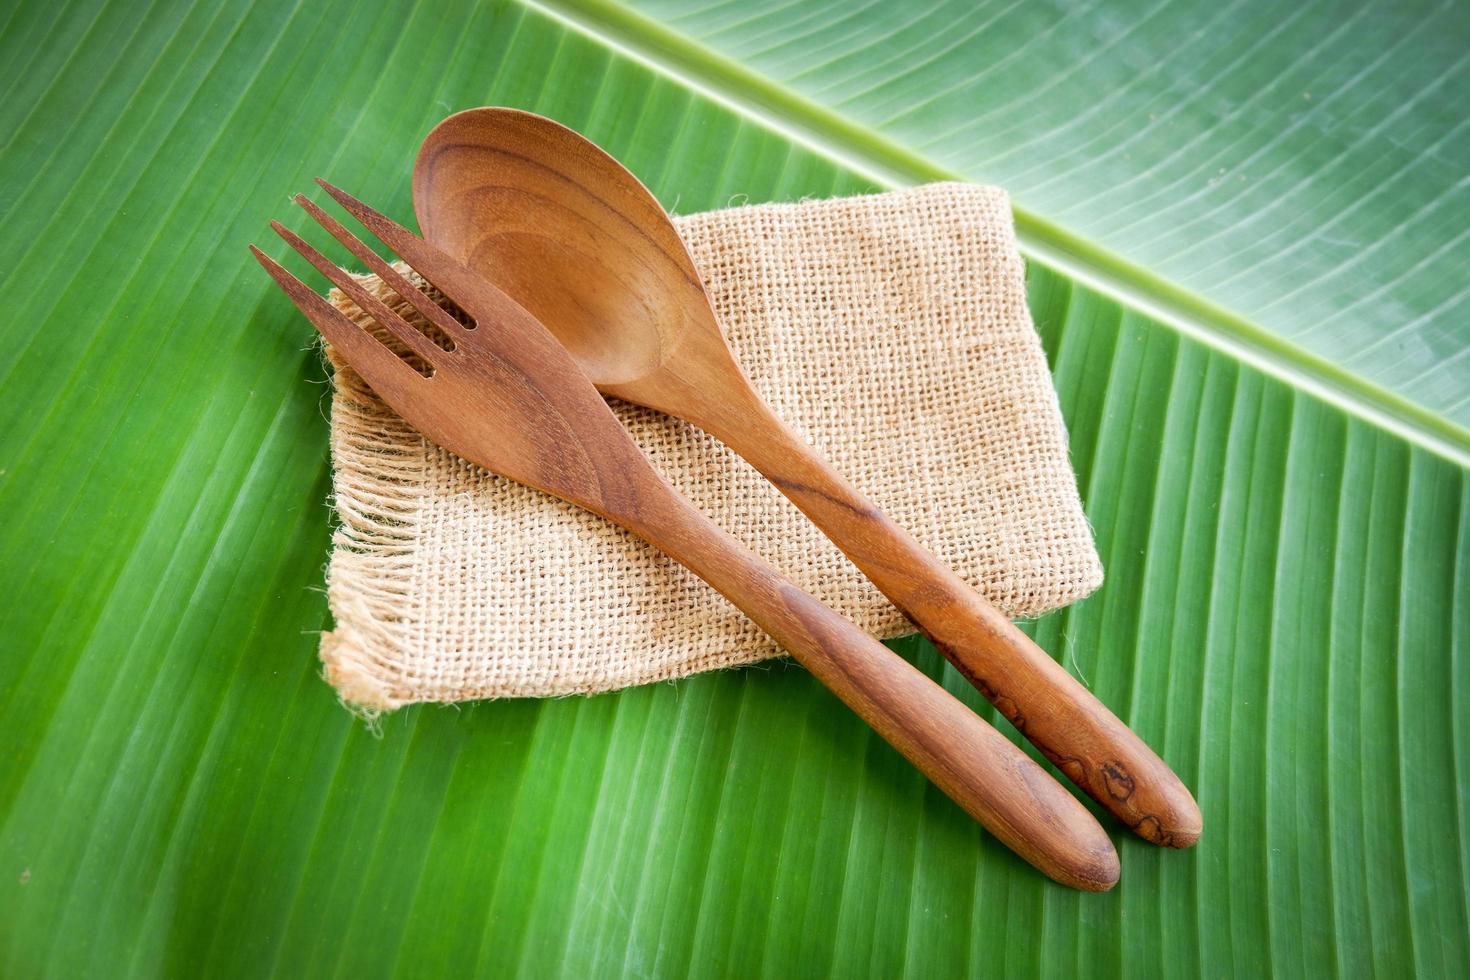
pixel 1062 718
pixel 980 769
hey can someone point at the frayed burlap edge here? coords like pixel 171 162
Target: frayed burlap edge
pixel 379 464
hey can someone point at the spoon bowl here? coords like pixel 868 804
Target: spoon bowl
pixel 532 201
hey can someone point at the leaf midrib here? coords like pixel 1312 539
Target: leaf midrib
pixel 886 162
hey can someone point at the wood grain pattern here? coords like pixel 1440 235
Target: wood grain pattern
pixel 577 240
pixel 509 397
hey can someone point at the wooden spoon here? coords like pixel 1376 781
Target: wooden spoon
pixel 503 393
pixel 574 237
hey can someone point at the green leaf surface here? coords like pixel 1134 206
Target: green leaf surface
pixel 1297 170
pixel 1286 617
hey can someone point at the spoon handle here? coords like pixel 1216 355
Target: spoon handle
pixel 1062 718
pixel 975 765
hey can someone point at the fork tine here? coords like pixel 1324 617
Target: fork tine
pixel 406 332
pixel 431 310
pixel 382 369
pixel 427 260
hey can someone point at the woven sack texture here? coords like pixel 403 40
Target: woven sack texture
pixel 890 330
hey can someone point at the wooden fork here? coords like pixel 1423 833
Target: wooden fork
pixel 508 397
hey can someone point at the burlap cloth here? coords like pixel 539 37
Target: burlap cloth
pixel 890 330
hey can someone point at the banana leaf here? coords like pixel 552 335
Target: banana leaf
pixel 1264 381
